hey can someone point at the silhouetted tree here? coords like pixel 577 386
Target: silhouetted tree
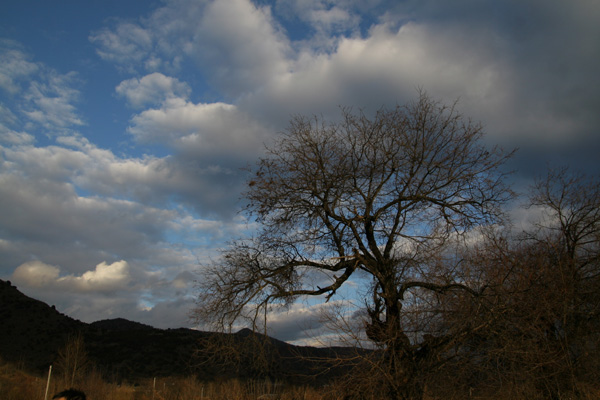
pixel 377 196
pixel 541 306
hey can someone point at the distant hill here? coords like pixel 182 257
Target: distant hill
pixel 120 324
pixel 32 332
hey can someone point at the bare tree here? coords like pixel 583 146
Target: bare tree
pixel 72 361
pixel 373 196
pixel 541 306
pixel 569 237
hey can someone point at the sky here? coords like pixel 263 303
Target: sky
pixel 125 126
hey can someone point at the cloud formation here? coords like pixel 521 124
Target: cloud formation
pixel 122 173
pixel 14 66
pixel 36 274
pixel 127 45
pixel 152 89
pixel 104 278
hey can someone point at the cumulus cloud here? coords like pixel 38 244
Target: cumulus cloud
pixel 508 75
pixel 206 130
pixel 36 274
pixel 152 181
pixel 76 206
pixel 108 291
pixel 465 51
pixel 105 277
pixel 235 57
pixel 385 69
pixel 244 55
pixel 152 89
pixel 40 186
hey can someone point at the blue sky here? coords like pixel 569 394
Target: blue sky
pixel 124 125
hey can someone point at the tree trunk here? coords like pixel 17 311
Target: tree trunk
pixel 405 382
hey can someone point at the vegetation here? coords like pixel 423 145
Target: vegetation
pixel 379 197
pixel 17 384
pixel 457 303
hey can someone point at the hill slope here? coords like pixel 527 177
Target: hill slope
pixel 32 333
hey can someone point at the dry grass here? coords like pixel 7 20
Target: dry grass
pixel 16 384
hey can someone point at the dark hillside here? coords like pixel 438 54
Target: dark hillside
pixel 120 324
pixel 32 332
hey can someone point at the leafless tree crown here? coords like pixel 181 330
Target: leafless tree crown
pixel 378 195
pixel 349 196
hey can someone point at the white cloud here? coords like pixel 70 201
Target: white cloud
pixel 385 68
pixel 9 136
pixel 39 96
pixel 152 89
pixel 49 102
pixel 236 57
pixel 127 45
pixel 16 138
pixel 35 274
pixel 105 277
pixel 40 185
pixel 109 291
pixel 77 204
pixel 14 66
pixel 268 78
pixel 244 55
pixel 453 51
pixel 205 130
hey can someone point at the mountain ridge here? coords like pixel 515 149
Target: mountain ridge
pixel 32 333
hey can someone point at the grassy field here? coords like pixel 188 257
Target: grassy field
pixel 17 384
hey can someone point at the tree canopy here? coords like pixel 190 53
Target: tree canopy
pixel 381 195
